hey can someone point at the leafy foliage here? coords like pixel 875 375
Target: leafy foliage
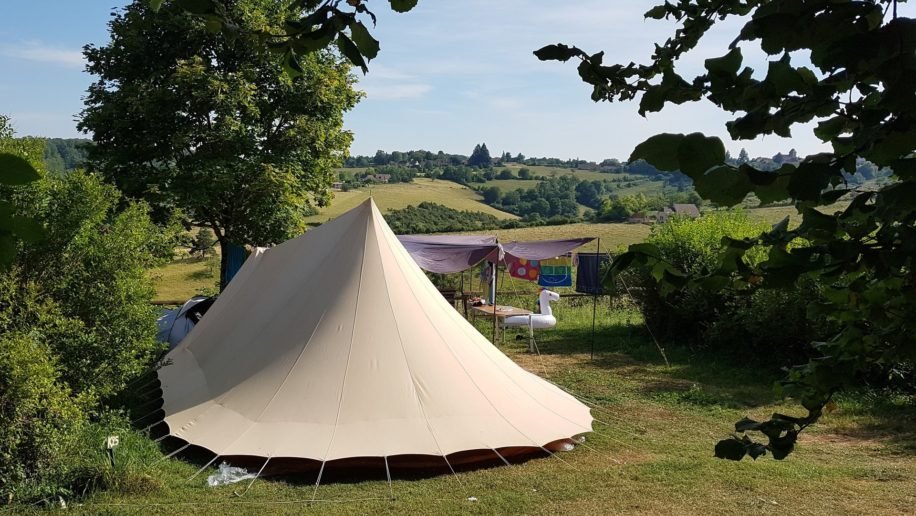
pixel 202 243
pixel 19 165
pixel 208 123
pixel 859 92
pixel 554 197
pixel 310 26
pixel 763 327
pixel 39 417
pixel 65 154
pixel 428 217
pixel 76 324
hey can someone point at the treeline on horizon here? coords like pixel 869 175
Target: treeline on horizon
pixel 480 159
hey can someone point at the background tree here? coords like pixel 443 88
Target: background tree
pixel 480 157
pixel 860 92
pixel 743 157
pixel 203 242
pixel 209 123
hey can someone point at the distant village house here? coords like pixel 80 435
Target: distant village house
pixel 649 217
pixel 378 178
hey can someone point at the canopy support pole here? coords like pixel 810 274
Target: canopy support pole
pixel 258 474
pixel 317 482
pixel 595 295
pixel 388 474
pixel 169 456
pixel 493 267
pixel 207 465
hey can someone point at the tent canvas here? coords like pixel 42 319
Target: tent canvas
pixel 334 345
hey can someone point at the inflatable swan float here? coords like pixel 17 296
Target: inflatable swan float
pixel 545 319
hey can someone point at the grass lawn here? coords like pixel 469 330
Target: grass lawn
pixel 651 452
pixel 185 277
pixel 400 195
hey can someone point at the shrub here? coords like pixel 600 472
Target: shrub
pixel 39 419
pixel 428 217
pixel 766 323
pixel 77 326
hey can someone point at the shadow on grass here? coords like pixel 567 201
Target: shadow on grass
pixel 889 417
pixel 692 378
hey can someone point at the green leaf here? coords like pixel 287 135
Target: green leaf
pixel 155 5
pixel 731 449
pixel 698 153
pixel 904 168
pixel 723 185
pixel 726 65
pixel 366 44
pixel 558 52
pixel 808 180
pixel 645 249
pixel 893 147
pixel 197 6
pixel 657 13
pixel 27 229
pixel 16 171
pixel 746 424
pixel 213 24
pixel 291 65
pixel 402 6
pixel 831 128
pixel 660 151
pixel 653 99
pixel 349 50
pixel 7 251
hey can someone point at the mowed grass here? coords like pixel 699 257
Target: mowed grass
pixel 400 195
pixel 650 452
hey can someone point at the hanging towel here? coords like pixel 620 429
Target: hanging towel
pixel 556 272
pixel 521 268
pixel 588 275
pixel 234 259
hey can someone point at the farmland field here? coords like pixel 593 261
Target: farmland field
pixel 612 236
pixel 400 195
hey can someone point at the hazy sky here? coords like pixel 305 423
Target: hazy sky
pixel 451 73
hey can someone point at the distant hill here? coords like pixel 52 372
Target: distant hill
pixel 66 154
pixel 400 195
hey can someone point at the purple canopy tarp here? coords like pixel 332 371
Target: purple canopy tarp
pixel 455 253
pixel 450 253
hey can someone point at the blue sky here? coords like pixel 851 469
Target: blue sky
pixel 451 73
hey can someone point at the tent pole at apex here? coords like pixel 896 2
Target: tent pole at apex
pixel 595 295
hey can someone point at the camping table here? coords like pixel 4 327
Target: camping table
pixel 501 313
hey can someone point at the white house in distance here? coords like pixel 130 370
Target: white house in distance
pixel 378 178
pixel 684 210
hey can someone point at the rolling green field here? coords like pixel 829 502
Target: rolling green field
pixel 650 451
pixel 400 195
pixel 640 184
pixel 613 236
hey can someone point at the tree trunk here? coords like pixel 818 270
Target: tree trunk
pixel 223 262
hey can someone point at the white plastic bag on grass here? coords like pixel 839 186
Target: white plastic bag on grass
pixel 228 475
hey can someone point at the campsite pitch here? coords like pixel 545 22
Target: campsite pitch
pixel 654 455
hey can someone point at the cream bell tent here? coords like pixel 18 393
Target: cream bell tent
pixel 334 345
